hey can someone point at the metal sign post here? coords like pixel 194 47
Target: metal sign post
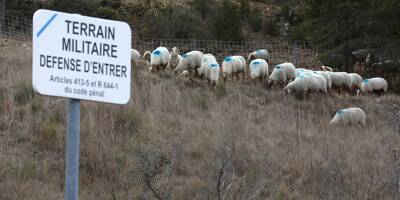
pixel 72 150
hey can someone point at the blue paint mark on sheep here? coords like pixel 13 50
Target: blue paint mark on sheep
pixel 301 76
pixel 256 63
pixel 228 59
pixel 366 81
pixel 277 67
pixel 184 56
pixel 213 65
pixel 157 52
pixel 341 112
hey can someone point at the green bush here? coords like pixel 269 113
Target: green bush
pixel 47 135
pixel 200 100
pixel 26 171
pixel 255 20
pixel 24 93
pixel 107 13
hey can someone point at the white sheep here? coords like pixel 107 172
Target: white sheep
pixel 207 59
pixel 258 54
pixel 341 80
pixel 349 116
pixel 146 57
pixel 175 58
pixel 299 71
pixel 304 84
pixel 190 61
pixel 258 69
pixel 377 85
pixel 327 78
pixel 135 55
pixel 282 73
pixel 160 58
pixel 232 66
pixel 356 81
pixel 212 73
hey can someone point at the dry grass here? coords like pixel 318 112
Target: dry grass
pixel 176 140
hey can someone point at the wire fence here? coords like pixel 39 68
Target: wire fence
pixel 300 53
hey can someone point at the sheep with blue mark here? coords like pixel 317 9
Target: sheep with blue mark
pixel 374 85
pixel 207 59
pixel 282 73
pixel 258 69
pixel 349 116
pixel 307 83
pixel 209 69
pixel 341 81
pixel 259 54
pixel 233 66
pixel 356 81
pixel 175 58
pixel 190 61
pixel 160 58
pixel 299 71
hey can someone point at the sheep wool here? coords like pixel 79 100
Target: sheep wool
pixel 283 72
pixel 258 54
pixel 210 68
pixel 135 55
pixel 349 116
pixel 327 78
pixel 374 85
pixel 160 58
pixel 356 81
pixel 190 61
pixel 175 58
pixel 340 79
pixel 258 69
pixel 233 65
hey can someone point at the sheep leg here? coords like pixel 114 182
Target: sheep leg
pixel 237 76
pixel 243 75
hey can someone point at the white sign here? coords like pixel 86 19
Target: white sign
pixel 81 57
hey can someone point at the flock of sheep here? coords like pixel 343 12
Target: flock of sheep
pixel 299 81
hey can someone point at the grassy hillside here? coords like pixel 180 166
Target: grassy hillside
pixel 178 140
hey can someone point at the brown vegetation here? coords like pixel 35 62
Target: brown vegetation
pixel 176 140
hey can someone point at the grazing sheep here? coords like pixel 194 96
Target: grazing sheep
pixel 304 84
pixel 233 65
pixel 299 71
pixel 258 54
pixel 135 55
pixel 209 69
pixel 327 78
pixel 190 61
pixel 349 116
pixel 326 68
pixel 377 85
pixel 212 73
pixel 282 73
pixel 175 58
pixel 258 69
pixel 356 81
pixel 160 58
pixel 207 59
pixel 341 80
pixel 146 57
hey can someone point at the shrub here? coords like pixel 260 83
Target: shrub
pixel 47 135
pixel 199 100
pixel 255 20
pixel 24 93
pixel 26 171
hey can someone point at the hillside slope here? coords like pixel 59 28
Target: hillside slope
pixel 177 140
